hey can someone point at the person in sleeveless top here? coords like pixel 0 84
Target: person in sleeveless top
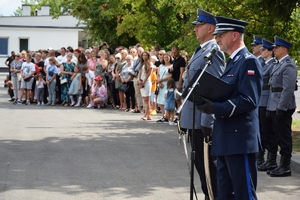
pixel 82 62
pixel 101 66
pixel 163 76
pixel 92 61
pixel 145 83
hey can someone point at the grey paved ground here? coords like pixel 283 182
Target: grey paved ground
pixel 76 153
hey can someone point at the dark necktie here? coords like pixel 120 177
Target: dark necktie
pixel 198 48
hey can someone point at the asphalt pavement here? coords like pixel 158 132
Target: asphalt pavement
pixel 55 152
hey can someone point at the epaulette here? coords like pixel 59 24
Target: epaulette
pixel 236 58
pixel 247 55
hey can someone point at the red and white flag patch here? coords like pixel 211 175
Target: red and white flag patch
pixel 251 72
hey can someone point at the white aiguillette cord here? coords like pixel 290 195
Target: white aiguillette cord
pixel 182 135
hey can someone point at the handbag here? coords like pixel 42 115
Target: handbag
pixel 63 80
pixel 124 87
pixel 27 79
pixel 19 76
pixel 157 90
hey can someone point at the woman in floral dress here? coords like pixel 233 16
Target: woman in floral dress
pixel 67 70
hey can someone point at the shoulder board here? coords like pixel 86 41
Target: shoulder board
pixel 288 61
pixel 247 55
pixel 236 58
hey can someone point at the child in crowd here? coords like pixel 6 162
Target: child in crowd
pixel 153 79
pixel 90 76
pixel 76 87
pixel 51 72
pixel 6 81
pixel 10 90
pixel 40 89
pixel 170 96
pixel 99 94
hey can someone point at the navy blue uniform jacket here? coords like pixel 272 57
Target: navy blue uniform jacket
pixel 236 128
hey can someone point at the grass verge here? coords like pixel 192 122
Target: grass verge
pixel 296 135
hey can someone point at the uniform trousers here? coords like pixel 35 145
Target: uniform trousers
pixel 266 130
pixel 237 177
pixel 199 163
pixel 283 129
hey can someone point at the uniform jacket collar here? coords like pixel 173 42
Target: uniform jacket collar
pixel 235 58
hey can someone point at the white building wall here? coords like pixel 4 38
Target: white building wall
pixel 26 10
pixel 39 38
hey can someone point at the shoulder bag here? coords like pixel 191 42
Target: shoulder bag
pixel 19 76
pixel 124 87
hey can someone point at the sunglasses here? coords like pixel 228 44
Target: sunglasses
pixel 17 56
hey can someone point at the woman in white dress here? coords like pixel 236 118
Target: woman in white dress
pixel 163 76
pixel 145 82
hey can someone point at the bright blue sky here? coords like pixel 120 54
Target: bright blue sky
pixel 7 7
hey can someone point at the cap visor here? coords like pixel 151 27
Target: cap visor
pixel 198 22
pixel 219 32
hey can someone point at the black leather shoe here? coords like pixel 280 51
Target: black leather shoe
pixel 267 166
pixel 260 158
pixel 269 171
pixel 282 171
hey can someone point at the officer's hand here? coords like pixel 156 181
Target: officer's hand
pixel 279 113
pixel 207 133
pixel 268 114
pixel 206 107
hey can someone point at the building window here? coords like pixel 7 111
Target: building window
pixel 3 46
pixel 23 44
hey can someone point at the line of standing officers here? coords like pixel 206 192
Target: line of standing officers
pixel 256 117
pixel 277 104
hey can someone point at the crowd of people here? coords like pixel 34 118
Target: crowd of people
pixel 256 116
pixel 129 79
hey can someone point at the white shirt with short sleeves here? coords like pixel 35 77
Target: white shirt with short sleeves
pixel 27 68
pixel 60 59
pixel 90 75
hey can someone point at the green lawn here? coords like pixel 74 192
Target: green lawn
pixel 296 135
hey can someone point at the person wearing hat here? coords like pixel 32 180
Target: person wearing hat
pixel 204 26
pixel 98 94
pixel 266 127
pixel 282 104
pixel 236 136
pixel 256 48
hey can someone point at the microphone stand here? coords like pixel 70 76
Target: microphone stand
pixel 192 90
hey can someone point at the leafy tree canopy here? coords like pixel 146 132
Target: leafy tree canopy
pixel 168 22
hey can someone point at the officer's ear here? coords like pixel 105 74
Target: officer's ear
pixel 235 36
pixel 211 28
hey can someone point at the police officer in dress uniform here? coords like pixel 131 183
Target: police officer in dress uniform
pixel 204 27
pixel 236 136
pixel 282 104
pixel 256 49
pixel 267 132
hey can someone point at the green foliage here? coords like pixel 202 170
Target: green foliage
pixel 18 12
pixel 168 22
